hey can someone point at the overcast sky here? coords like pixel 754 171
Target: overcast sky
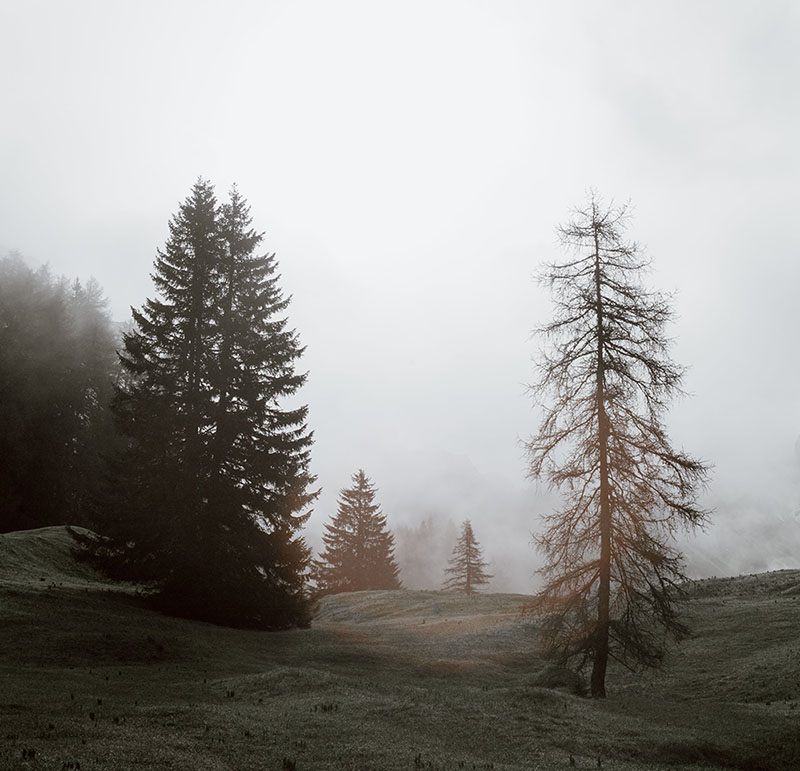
pixel 409 162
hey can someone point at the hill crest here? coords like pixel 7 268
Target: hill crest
pixel 46 557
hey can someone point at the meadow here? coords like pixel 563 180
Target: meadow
pixel 91 679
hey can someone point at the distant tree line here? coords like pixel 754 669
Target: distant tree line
pixel 57 367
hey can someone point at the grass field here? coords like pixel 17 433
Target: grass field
pixel 91 678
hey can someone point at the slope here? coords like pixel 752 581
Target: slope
pixel 46 557
pixel 382 680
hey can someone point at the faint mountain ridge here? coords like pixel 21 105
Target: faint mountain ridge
pixel 746 536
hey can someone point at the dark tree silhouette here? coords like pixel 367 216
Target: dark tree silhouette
pixel 466 570
pixel 209 494
pixel 57 362
pixel 606 379
pixel 359 548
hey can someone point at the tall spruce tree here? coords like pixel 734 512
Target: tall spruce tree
pixel 359 548
pixel 466 570
pixel 207 499
pixel 611 573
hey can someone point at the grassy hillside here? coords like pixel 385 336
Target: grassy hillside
pixel 44 557
pixel 382 680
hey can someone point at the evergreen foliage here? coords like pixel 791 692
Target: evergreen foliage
pixel 208 496
pixel 57 362
pixel 611 574
pixel 466 570
pixel 359 549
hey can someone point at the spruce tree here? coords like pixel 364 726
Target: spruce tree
pixel 359 549
pixel 212 487
pixel 260 450
pixel 466 570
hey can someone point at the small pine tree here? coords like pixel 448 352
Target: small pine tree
pixel 466 569
pixel 359 549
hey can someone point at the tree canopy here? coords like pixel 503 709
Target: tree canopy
pixel 605 381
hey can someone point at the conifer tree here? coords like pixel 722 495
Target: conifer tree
pixel 359 549
pixel 212 486
pixel 466 570
pixel 611 573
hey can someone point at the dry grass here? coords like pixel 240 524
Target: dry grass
pixel 382 680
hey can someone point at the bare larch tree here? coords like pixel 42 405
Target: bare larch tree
pixel 611 575
pixel 466 570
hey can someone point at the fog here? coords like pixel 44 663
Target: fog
pixel 409 163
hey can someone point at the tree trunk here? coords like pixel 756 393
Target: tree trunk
pixel 598 681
